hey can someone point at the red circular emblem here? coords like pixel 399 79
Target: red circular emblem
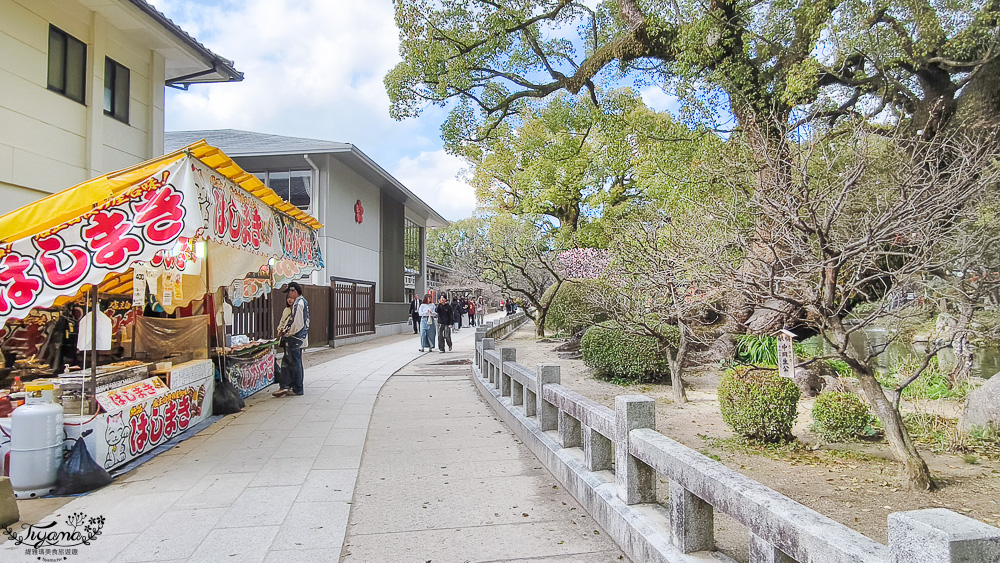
pixel 359 212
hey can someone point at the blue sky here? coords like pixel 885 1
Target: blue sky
pixel 314 68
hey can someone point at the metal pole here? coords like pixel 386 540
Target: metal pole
pixel 94 308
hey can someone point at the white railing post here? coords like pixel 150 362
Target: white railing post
pixel 487 367
pixel 506 355
pixel 548 414
pixel 480 335
pixel 938 535
pixel 635 479
pixel 570 435
pixel 597 450
pixel 691 521
pixel 763 552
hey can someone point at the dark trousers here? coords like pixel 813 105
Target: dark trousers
pixel 284 374
pixel 444 336
pixel 416 323
pixel 294 354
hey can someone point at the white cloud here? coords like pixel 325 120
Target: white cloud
pixel 436 178
pixel 313 68
pixel 658 99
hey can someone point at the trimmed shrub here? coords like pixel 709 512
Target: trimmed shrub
pixel 758 404
pixel 572 309
pixel 839 416
pixel 616 355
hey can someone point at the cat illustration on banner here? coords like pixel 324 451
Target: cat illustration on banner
pixel 116 436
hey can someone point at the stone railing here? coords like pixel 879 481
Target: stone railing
pixel 610 460
pixel 503 327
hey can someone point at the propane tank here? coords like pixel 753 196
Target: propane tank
pixel 36 443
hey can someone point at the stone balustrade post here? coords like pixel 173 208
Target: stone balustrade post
pixel 938 535
pixel 516 392
pixel 506 355
pixel 763 552
pixel 547 413
pixel 480 335
pixel 635 479
pixel 530 402
pixel 486 367
pixel 691 521
pixel 570 434
pixel 597 450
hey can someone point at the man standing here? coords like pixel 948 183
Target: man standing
pixel 298 337
pixel 415 314
pixel 445 313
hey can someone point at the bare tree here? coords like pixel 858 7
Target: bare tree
pixel 862 216
pixel 515 254
pixel 659 270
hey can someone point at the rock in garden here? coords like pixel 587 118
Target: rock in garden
pixel 809 378
pixel 982 406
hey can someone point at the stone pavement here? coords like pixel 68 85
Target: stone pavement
pixel 442 479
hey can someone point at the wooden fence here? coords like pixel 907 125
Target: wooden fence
pixel 353 310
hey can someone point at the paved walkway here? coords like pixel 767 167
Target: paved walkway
pixel 441 479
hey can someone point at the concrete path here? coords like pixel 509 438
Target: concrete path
pixel 276 482
pixel 443 480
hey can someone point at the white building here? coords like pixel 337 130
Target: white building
pixel 374 227
pixel 82 89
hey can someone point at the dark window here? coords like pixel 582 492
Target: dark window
pixel 67 65
pixel 116 90
pixel 411 245
pixel 299 189
pixel 294 186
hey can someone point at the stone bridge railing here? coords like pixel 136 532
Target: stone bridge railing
pixel 610 461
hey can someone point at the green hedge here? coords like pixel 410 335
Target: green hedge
pixel 839 416
pixel 617 354
pixel 572 308
pixel 758 404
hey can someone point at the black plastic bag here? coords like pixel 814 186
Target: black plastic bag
pixel 226 399
pixel 79 472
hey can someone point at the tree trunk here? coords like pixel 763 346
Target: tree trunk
pixel 914 474
pixel 676 362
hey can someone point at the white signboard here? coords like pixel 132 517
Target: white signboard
pixel 786 354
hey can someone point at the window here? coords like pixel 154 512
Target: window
pixel 293 186
pixel 411 245
pixel 116 90
pixel 67 65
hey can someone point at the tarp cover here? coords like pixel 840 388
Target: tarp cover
pixel 58 245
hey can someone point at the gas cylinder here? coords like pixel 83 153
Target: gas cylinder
pixel 36 443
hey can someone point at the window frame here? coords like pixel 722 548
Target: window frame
pixel 115 68
pixel 63 79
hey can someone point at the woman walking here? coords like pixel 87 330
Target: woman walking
pixel 427 329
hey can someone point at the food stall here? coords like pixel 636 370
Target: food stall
pixel 159 249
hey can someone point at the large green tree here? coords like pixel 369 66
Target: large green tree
pixel 578 163
pixel 932 63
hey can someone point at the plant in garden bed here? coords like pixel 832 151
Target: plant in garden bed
pixel 618 355
pixel 758 404
pixel 840 416
pixel 757 349
pixel 944 434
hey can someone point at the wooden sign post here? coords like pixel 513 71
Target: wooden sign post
pixel 786 353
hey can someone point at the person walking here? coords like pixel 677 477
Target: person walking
pixel 298 338
pixel 472 312
pixel 480 311
pixel 415 314
pixel 427 313
pixel 445 313
pixel 283 376
pixel 457 318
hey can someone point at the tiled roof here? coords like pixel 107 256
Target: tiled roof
pixel 222 66
pixel 235 142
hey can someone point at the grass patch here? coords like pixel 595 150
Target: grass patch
pixel 943 435
pixel 932 384
pixel 785 451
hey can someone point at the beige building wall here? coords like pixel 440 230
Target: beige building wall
pixel 49 142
